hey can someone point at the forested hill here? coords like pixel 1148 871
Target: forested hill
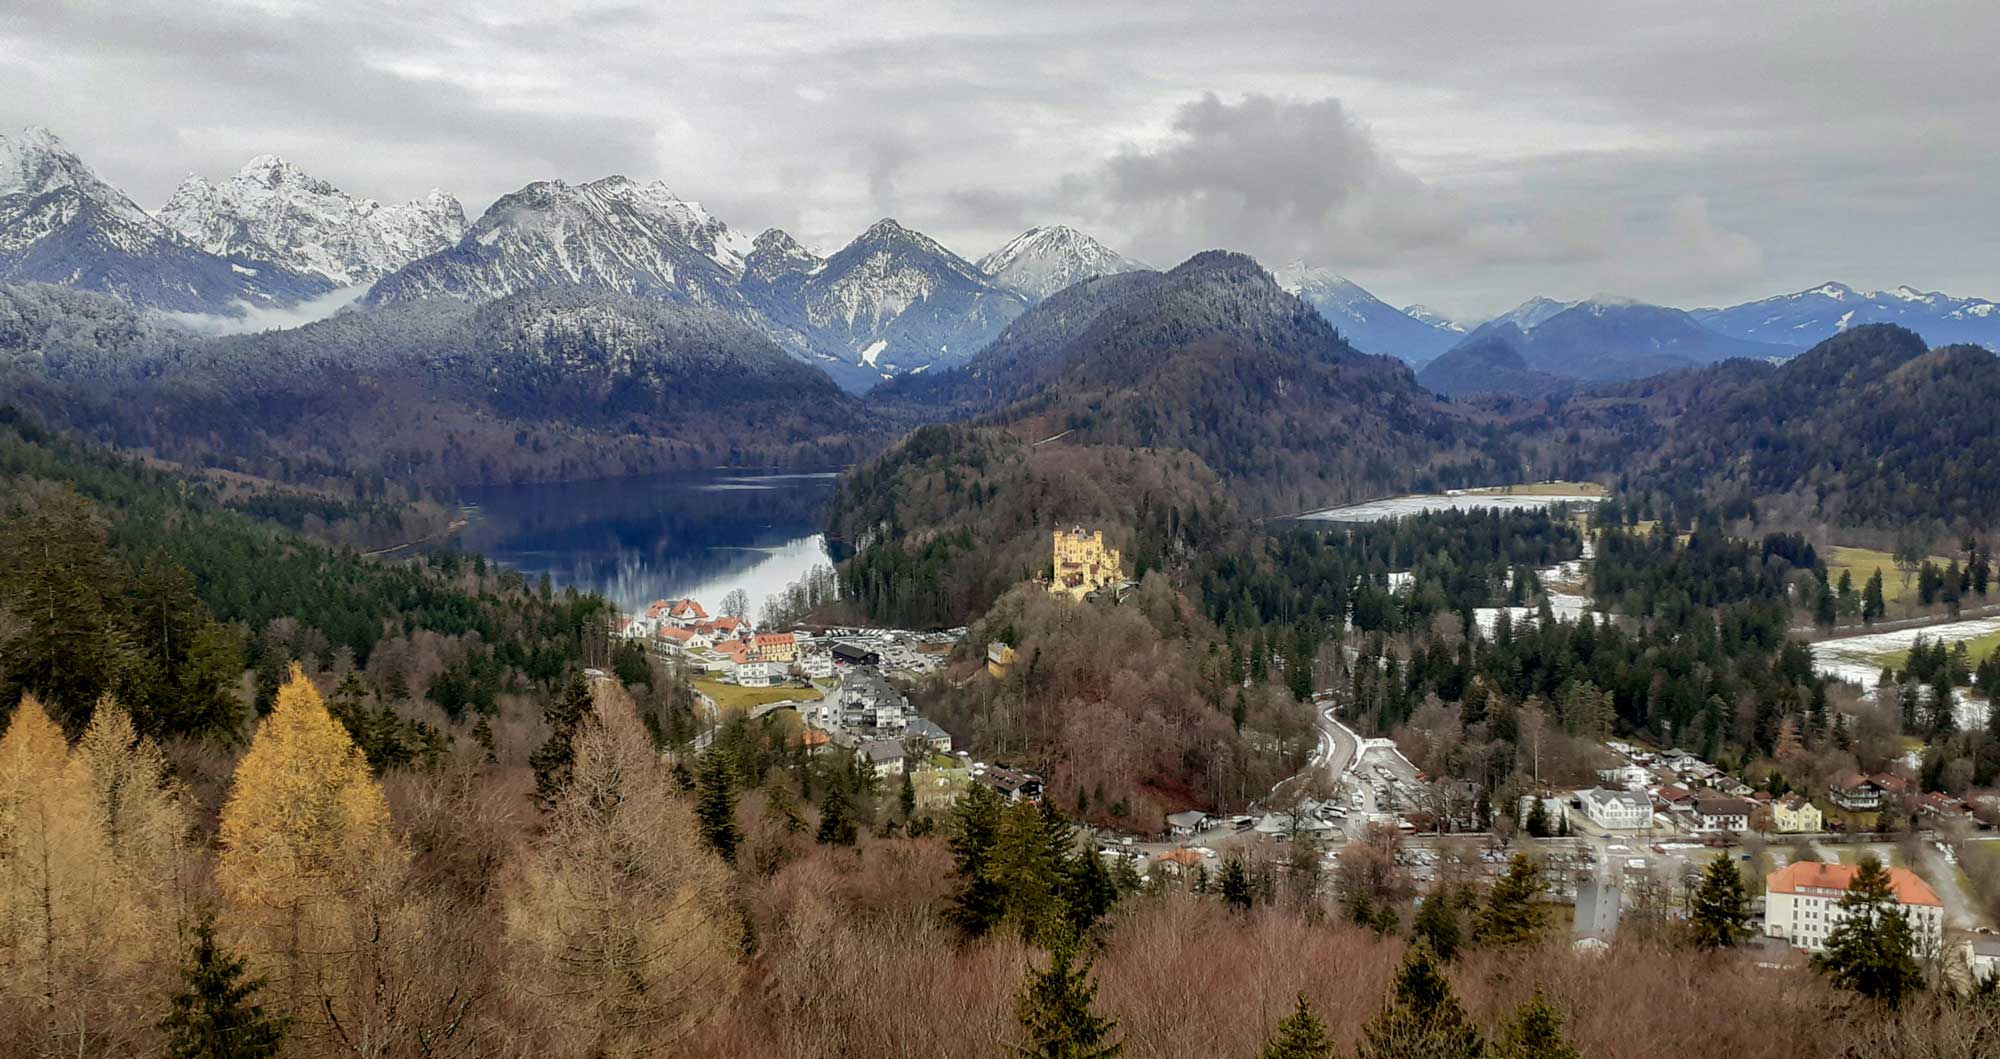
pixel 117 578
pixel 544 384
pixel 1216 359
pixel 1867 428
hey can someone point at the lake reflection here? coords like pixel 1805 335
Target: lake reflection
pixel 635 540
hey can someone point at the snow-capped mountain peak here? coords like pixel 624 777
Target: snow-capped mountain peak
pixel 1532 312
pixel 61 223
pixel 1044 260
pixel 1428 315
pixel 37 163
pixel 775 253
pixel 1368 323
pixel 273 211
pixel 1811 316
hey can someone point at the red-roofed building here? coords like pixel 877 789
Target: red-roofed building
pixel 775 646
pixel 1802 904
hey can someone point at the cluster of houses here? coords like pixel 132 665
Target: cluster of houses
pixel 1687 794
pixel 726 646
pixel 731 648
pixel 869 716
pixel 1696 797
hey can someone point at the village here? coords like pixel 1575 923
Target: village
pixel 1649 825
pixel 837 681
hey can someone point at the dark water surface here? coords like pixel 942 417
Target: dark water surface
pixel 635 540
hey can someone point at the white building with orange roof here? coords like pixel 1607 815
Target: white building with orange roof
pixel 1802 904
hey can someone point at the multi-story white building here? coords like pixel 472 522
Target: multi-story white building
pixel 1616 810
pixel 1802 904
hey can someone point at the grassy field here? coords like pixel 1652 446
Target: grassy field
pixel 1861 563
pixel 733 697
pixel 1977 649
pixel 1545 489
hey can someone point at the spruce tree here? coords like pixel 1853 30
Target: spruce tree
pixel 1055 1010
pixel 715 805
pixel 553 760
pixel 215 1015
pixel 836 819
pixel 1872 950
pixel 1513 914
pixel 977 903
pixel 1301 1035
pixel 1872 604
pixel 1535 1032
pixel 1719 908
pixel 1235 885
pixel 1437 925
pixel 1422 1018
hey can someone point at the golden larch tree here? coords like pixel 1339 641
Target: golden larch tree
pixel 621 916
pixel 310 865
pixel 72 958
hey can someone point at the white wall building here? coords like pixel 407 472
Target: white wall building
pixel 1802 904
pixel 1616 810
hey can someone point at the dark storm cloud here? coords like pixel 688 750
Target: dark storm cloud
pixel 1463 155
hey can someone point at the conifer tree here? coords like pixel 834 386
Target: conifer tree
pixel 977 903
pixel 1513 914
pixel 59 898
pixel 216 1015
pixel 836 819
pixel 308 849
pixel 715 805
pixel 1301 1035
pixel 1235 885
pixel 553 760
pixel 1719 908
pixel 1029 868
pixel 1437 925
pixel 1534 1032
pixel 1872 603
pixel 621 913
pixel 1872 950
pixel 1055 1010
pixel 1422 1018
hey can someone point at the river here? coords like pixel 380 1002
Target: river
pixel 635 540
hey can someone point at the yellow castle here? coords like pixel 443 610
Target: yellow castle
pixel 1084 563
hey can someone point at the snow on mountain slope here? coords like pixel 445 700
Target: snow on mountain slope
pixel 1367 322
pixel 1532 312
pixel 615 234
pixel 60 223
pixel 1426 314
pixel 891 302
pixel 270 210
pixel 1809 317
pixel 1042 261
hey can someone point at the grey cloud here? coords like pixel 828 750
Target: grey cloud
pixel 1278 178
pixel 1712 151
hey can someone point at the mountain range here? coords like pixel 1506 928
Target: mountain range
pixel 272 211
pixel 59 223
pixel 891 304
pixel 1544 347
pixel 1810 317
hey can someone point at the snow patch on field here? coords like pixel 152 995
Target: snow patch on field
pixel 1400 506
pixel 1857 659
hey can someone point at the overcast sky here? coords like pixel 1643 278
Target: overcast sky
pixel 1462 155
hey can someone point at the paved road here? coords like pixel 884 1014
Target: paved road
pixel 1333 757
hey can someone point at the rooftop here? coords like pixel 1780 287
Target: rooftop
pixel 1813 875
